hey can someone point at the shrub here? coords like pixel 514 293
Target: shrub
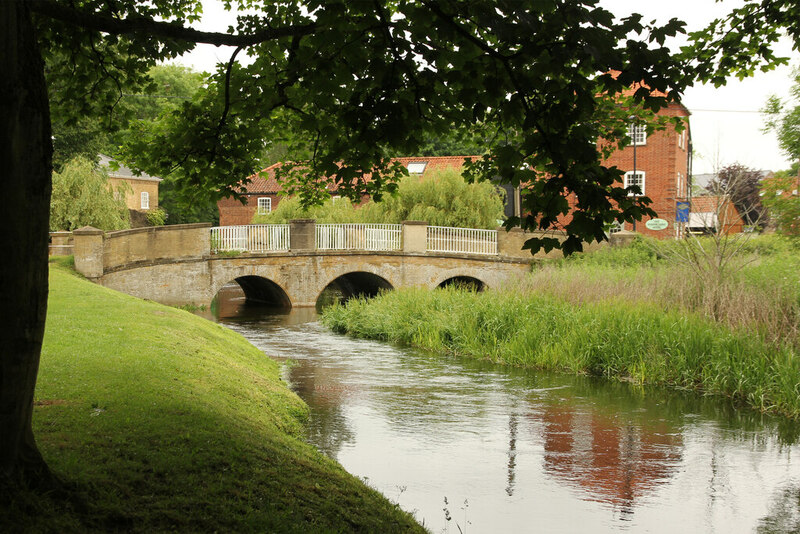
pixel 156 217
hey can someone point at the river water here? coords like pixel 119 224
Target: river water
pixel 523 451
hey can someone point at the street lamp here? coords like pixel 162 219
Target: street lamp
pixel 632 118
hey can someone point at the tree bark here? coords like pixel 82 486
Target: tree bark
pixel 25 173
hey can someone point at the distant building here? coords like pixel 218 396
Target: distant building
pixel 143 194
pixel 714 214
pixel 263 193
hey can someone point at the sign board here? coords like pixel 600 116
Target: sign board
pixel 656 224
pixel 682 212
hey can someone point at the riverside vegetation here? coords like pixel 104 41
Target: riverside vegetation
pixel 157 420
pixel 623 313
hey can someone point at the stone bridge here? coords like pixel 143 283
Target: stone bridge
pixel 188 264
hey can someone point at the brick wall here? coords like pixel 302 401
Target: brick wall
pixel 233 213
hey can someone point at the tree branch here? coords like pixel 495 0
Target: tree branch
pixel 166 30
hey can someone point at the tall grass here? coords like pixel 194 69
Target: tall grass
pixel 762 295
pixel 609 337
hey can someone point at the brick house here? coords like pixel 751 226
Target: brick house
pixel 264 192
pixel 662 170
pixel 143 194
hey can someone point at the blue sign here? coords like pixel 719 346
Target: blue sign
pixel 682 212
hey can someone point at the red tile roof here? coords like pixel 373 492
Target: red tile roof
pixel 265 182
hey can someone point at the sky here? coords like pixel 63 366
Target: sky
pixel 725 122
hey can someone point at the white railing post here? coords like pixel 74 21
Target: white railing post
pixel 461 240
pixel 369 237
pixel 250 238
pixel 373 237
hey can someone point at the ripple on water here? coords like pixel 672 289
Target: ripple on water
pixel 520 451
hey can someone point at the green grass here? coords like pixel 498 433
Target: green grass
pixel 613 338
pixel 159 421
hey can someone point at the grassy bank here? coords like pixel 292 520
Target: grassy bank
pixel 161 421
pixel 615 338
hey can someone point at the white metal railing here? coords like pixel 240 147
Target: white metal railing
pixel 461 240
pixel 250 238
pixel 359 236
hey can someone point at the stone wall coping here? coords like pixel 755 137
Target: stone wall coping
pixel 415 223
pixel 498 258
pixel 88 230
pixel 302 221
pixel 60 233
pixel 154 229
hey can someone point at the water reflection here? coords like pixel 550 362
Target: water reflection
pixel 610 459
pixel 531 451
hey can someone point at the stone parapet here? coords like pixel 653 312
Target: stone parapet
pixel 89 251
pixel 61 244
pixel 155 243
pixel 302 235
pixel 415 236
pixel 622 239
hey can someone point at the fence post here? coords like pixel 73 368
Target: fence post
pixel 302 235
pixel 89 251
pixel 415 236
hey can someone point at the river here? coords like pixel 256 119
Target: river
pixel 497 449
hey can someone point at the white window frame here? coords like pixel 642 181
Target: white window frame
pixel 637 134
pixel 144 200
pixel 264 205
pixel 628 176
pixel 680 185
pixel 682 140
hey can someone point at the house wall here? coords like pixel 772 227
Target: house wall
pixel 133 199
pixel 233 213
pixel 661 159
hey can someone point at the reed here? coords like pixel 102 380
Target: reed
pixel 610 336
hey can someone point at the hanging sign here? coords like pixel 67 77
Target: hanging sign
pixel 682 211
pixel 656 224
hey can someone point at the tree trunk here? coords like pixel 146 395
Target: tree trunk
pixel 25 171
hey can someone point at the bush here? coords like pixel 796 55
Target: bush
pixel 156 217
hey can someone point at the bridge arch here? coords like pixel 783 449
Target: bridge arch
pixel 467 281
pixel 353 284
pixel 261 290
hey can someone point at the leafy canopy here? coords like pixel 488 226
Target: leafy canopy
pixel 357 82
pixel 743 185
pixel 741 42
pixel 783 118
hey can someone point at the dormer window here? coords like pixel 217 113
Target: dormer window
pixel 417 167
